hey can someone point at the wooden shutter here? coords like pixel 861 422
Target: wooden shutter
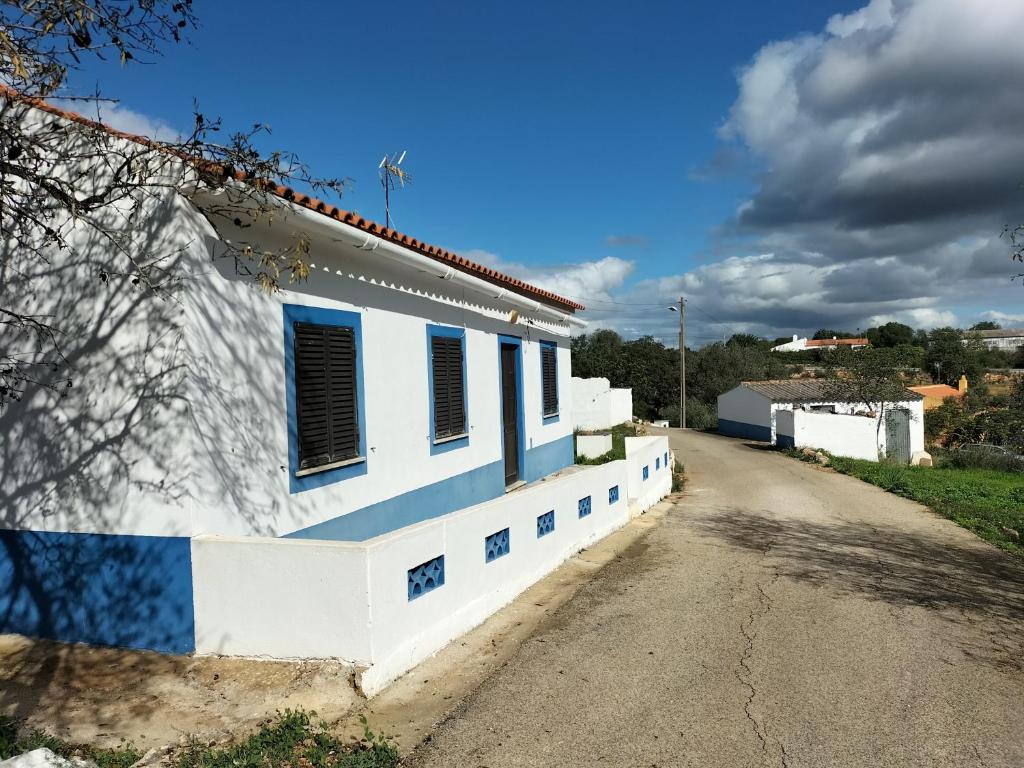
pixel 449 386
pixel 549 376
pixel 325 394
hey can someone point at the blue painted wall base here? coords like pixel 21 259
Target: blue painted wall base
pixel 125 591
pixel 785 441
pixel 743 429
pixel 473 487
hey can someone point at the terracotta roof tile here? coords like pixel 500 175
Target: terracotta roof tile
pixel 319 206
pixel 837 342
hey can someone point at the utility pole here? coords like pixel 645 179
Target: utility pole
pixel 682 363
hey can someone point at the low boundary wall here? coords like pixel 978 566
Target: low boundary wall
pixel 387 603
pixel 649 471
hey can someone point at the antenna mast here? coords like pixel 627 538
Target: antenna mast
pixel 391 171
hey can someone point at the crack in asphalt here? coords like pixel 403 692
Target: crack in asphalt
pixel 745 674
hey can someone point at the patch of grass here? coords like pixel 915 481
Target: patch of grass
pixel 14 741
pixel 292 739
pixel 619 434
pixel 988 502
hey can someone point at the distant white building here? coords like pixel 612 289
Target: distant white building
pixel 1006 339
pixel 752 411
pixel 800 344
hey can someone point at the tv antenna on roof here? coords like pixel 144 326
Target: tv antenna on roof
pixel 391 171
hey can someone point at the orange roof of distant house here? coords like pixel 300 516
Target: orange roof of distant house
pixel 937 390
pixel 346 217
pixel 837 342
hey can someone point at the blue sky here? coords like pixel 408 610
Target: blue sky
pixel 539 133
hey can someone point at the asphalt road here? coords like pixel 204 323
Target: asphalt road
pixel 780 615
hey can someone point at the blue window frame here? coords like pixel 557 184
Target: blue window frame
pixel 657 463
pixel 613 494
pixel 292 314
pixel 549 381
pixel 450 442
pixel 647 471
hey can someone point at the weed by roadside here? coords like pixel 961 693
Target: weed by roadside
pixel 678 478
pixel 292 739
pixel 15 741
pixel 988 502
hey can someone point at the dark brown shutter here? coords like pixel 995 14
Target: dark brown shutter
pixel 449 386
pixel 549 379
pixel 325 393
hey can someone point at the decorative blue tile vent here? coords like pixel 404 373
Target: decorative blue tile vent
pixel 584 506
pixel 546 523
pixel 647 471
pixel 657 463
pixel 426 577
pixel 496 545
pixel 613 494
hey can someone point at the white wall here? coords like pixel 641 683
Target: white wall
pixel 844 434
pixel 284 598
pixel 651 452
pixel 745 406
pixel 840 435
pixel 592 446
pixel 596 405
pixel 107 454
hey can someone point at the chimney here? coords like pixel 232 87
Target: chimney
pixel 962 384
pixel 794 337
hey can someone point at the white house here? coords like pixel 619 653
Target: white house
pixel 342 469
pixel 1006 339
pixel 753 409
pixel 800 344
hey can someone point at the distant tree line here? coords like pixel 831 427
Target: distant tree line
pixel 651 369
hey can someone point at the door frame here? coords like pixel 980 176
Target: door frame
pixel 517 342
pixel 898 414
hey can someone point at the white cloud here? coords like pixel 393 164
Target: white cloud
pixel 588 281
pixel 123 119
pixel 1005 319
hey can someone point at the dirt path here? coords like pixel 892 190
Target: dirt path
pixel 780 615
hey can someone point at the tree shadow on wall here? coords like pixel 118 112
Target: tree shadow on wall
pixel 92 446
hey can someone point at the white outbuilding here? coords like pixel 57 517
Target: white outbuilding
pixel 767 411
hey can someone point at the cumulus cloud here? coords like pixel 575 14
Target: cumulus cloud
pixel 889 157
pixel 124 119
pixel 890 161
pixel 589 282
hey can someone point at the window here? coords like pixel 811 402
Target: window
pixel 325 395
pixel 549 377
pixel 447 383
